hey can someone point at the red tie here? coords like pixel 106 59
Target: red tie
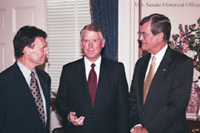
pixel 92 84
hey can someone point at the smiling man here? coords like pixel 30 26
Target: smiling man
pixel 93 91
pixel 161 82
pixel 25 89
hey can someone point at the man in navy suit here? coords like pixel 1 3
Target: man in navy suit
pixel 163 110
pixel 108 112
pixel 18 110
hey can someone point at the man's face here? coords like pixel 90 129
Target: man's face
pixel 149 42
pixel 37 55
pixel 92 43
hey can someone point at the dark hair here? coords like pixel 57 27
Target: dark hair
pixel 160 23
pixel 25 37
pixel 93 27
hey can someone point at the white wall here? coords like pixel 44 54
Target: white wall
pixel 128 51
pixel 178 11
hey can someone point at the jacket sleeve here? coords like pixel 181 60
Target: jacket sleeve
pixel 61 100
pixel 134 115
pixel 123 103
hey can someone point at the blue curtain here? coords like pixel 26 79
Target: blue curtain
pixel 105 14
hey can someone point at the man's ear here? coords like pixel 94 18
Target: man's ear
pixel 81 44
pixel 160 36
pixel 103 43
pixel 26 50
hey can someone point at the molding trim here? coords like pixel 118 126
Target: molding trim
pixel 128 50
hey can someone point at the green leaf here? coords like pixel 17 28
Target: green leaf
pixel 175 37
pixel 191 39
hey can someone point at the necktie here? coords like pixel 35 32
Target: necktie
pixel 92 84
pixel 149 78
pixel 34 87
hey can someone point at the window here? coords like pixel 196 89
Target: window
pixel 65 19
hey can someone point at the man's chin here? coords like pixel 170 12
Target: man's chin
pixel 143 47
pixel 42 62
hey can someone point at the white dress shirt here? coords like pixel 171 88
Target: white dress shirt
pixel 96 68
pixel 26 73
pixel 159 56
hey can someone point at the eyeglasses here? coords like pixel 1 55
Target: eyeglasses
pixel 143 34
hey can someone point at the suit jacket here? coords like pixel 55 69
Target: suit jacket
pixel 111 109
pixel 18 111
pixel 164 110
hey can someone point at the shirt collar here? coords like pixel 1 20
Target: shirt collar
pixel 25 71
pixel 159 56
pixel 97 62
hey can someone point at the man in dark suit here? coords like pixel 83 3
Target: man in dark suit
pixel 161 107
pixel 102 108
pixel 19 106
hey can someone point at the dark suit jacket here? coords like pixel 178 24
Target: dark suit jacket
pixel 165 108
pixel 18 112
pixel 111 110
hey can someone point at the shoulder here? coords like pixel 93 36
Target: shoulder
pixel 8 72
pixel 179 57
pixel 112 65
pixel 74 64
pixel 42 73
pixel 111 62
pixel 176 54
pixel 143 59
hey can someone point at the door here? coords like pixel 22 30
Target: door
pixel 13 15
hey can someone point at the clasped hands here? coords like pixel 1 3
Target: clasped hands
pixel 75 120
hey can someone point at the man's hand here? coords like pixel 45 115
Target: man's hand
pixel 76 121
pixel 139 129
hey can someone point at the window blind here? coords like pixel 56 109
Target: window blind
pixel 65 19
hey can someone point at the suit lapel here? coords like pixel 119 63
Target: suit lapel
pixel 44 85
pixel 21 83
pixel 81 76
pixel 45 89
pixel 102 83
pixel 142 73
pixel 160 74
pixel 24 90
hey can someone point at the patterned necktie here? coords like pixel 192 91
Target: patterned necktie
pixel 149 78
pixel 34 87
pixel 92 84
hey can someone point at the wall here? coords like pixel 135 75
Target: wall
pixel 128 52
pixel 184 11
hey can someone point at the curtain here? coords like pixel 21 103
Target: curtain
pixel 105 14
